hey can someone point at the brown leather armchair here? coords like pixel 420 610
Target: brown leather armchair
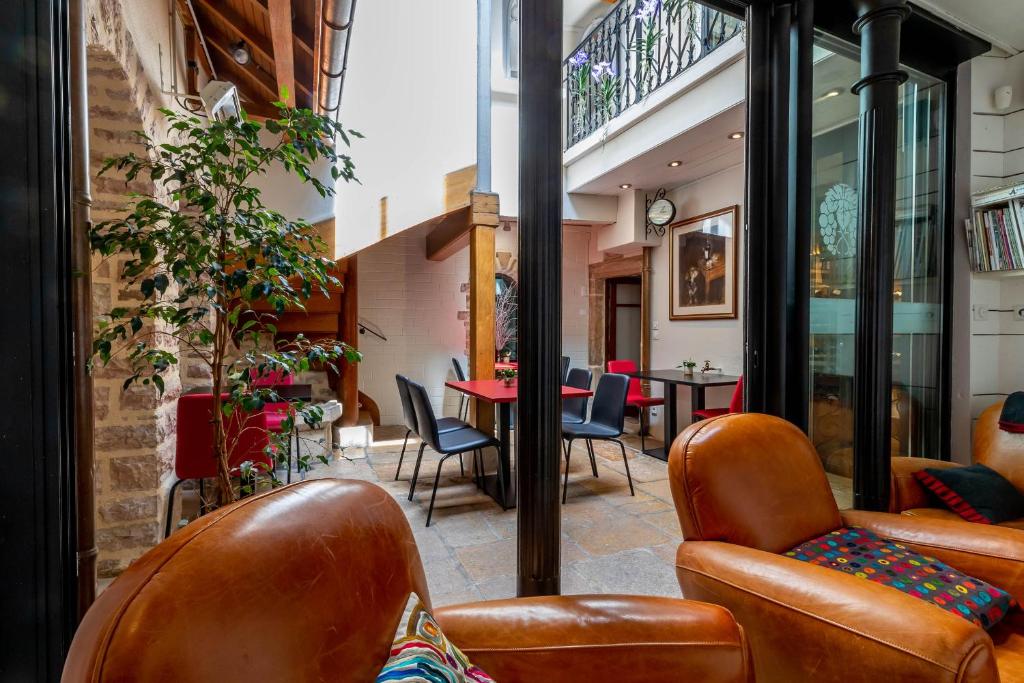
pixel 308 583
pixel 748 487
pixel 1002 451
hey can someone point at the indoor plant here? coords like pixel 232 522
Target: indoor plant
pixel 507 375
pixel 688 365
pixel 201 248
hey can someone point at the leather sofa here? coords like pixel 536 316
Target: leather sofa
pixel 308 583
pixel 750 487
pixel 1002 451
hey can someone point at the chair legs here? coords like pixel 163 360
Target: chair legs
pixel 478 456
pixel 170 506
pixel 416 470
pixel 402 456
pixel 565 484
pixel 625 461
pixel 437 480
pixel 641 411
pixel 590 452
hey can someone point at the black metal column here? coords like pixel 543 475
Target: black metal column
pixel 539 430
pixel 878 24
pixel 37 518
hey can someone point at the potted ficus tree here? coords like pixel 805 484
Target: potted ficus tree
pixel 202 250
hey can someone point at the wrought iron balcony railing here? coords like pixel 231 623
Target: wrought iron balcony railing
pixel 640 46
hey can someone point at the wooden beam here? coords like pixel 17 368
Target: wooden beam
pixel 452 231
pixel 348 332
pixel 481 317
pixel 284 50
pixel 458 185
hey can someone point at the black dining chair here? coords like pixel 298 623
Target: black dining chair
pixel 444 425
pixel 446 444
pixel 607 420
pixel 565 370
pixel 574 410
pixel 460 375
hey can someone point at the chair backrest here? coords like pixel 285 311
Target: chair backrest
pixel 610 401
pixel 334 562
pixel 425 419
pixel 247 437
pixel 752 480
pixel 736 404
pixel 565 370
pixel 624 367
pixel 1002 451
pixel 579 378
pixel 408 411
pixel 460 372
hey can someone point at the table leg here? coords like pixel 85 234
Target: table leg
pixel 671 417
pixel 696 400
pixel 504 496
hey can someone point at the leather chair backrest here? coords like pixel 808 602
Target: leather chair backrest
pixel 579 378
pixel 1002 451
pixel 610 401
pixel 408 411
pixel 305 583
pixel 425 418
pixel 752 480
pixel 460 373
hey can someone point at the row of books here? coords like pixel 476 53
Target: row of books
pixel 995 237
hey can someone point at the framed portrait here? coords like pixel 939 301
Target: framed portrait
pixel 702 266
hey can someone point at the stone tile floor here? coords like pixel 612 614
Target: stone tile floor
pixel 611 542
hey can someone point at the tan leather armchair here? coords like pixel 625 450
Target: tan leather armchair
pixel 748 487
pixel 308 583
pixel 1002 451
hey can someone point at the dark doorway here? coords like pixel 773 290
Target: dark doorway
pixel 622 329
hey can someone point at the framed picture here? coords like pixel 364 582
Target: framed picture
pixel 702 266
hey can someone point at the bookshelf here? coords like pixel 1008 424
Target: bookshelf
pixel 995 231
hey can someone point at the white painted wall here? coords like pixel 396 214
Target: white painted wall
pixel 720 341
pixel 997 156
pixel 411 90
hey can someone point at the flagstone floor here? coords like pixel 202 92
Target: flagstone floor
pixel 611 542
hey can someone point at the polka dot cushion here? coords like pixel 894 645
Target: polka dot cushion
pixel 862 554
pixel 422 654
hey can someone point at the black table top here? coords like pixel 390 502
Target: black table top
pixel 696 379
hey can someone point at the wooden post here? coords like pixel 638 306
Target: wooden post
pixel 348 387
pixel 484 220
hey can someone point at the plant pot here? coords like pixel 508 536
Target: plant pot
pixel 687 371
pixel 509 381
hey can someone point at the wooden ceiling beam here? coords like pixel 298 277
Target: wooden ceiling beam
pixel 239 26
pixel 282 36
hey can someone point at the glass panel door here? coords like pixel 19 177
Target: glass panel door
pixel 917 262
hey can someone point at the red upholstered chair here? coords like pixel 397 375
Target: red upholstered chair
pixel 247 437
pixel 735 405
pixel 635 396
pixel 275 412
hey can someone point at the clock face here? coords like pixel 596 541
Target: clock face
pixel 662 212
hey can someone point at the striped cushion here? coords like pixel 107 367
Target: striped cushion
pixel 421 653
pixel 977 493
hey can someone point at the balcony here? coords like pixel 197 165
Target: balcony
pixel 637 48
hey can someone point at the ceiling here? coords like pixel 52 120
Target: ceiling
pixel 703 149
pixel 278 35
pixel 1001 22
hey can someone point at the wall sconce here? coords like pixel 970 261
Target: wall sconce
pixel 1003 95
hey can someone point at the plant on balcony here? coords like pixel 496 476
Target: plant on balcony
pixel 607 88
pixel 579 87
pixel 650 34
pixel 203 253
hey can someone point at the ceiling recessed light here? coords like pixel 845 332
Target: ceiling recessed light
pixel 240 53
pixel 833 93
pixel 673 164
pixel 625 186
pixel 736 136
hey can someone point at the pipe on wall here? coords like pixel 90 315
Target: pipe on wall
pixel 81 298
pixel 335 33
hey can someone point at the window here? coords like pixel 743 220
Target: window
pixel 510 37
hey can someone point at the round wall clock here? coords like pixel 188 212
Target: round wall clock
pixel 661 212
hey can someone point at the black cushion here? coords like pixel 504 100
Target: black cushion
pixel 1011 419
pixel 976 493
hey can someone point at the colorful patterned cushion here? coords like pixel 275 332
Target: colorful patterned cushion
pixel 977 493
pixel 860 553
pixel 422 654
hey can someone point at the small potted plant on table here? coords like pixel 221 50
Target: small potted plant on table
pixel 688 366
pixel 507 375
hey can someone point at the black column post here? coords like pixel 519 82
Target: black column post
pixel 539 431
pixel 878 24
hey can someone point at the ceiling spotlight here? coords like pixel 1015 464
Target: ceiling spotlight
pixel 736 136
pixel 625 186
pixel 833 92
pixel 673 164
pixel 240 52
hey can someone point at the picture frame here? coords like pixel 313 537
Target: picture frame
pixel 703 266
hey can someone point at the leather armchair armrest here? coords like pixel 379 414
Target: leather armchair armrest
pixel 990 553
pixel 906 493
pixel 806 622
pixel 599 638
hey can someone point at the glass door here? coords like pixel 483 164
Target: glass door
pixel 917 261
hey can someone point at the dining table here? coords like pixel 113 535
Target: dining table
pixel 502 396
pixel 698 383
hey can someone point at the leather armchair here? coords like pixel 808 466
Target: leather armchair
pixel 1002 451
pixel 749 487
pixel 309 582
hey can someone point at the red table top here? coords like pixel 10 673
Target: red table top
pixel 511 365
pixel 495 391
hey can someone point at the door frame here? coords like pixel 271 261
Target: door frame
pixel 611 305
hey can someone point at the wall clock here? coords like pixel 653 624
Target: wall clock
pixel 660 212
